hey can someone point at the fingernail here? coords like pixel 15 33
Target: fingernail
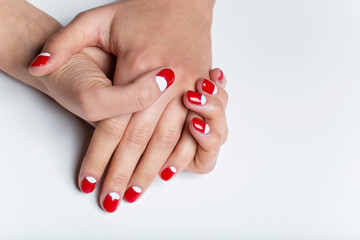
pixel 88 184
pixel 221 77
pixel 40 60
pixel 165 78
pixel 167 173
pixel 132 194
pixel 209 87
pixel 111 202
pixel 196 98
pixel 200 125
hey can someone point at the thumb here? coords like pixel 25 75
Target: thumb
pixel 109 101
pixel 83 31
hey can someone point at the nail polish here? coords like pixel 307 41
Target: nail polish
pixel 165 78
pixel 40 60
pixel 111 202
pixel 209 87
pixel 167 173
pixel 88 184
pixel 132 194
pixel 196 98
pixel 221 77
pixel 200 125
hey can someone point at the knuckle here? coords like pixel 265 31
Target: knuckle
pixel 218 108
pixel 167 137
pixel 225 98
pixel 142 98
pixel 112 127
pixel 86 107
pixel 119 179
pixel 137 138
pixel 204 167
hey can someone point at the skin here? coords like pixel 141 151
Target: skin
pixel 157 128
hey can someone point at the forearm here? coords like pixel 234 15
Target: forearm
pixel 24 30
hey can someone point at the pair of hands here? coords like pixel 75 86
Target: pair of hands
pixel 135 117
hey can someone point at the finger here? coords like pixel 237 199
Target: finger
pixel 183 153
pixel 106 137
pixel 209 142
pixel 85 30
pixel 212 89
pixel 126 156
pixel 201 163
pixel 217 75
pixel 109 101
pixel 162 143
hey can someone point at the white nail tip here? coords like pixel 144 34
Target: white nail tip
pixel 45 54
pixel 137 189
pixel 207 129
pixel 91 179
pixel 114 195
pixel 161 82
pixel 203 99
pixel 173 169
pixel 215 91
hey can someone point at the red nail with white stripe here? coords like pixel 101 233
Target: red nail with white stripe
pixel 40 60
pixel 200 125
pixel 168 173
pixel 209 87
pixel 111 202
pixel 196 98
pixel 88 184
pixel 165 78
pixel 132 194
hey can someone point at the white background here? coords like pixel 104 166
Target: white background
pixel 289 170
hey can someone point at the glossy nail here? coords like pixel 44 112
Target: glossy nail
pixel 40 60
pixel 200 125
pixel 132 194
pixel 209 87
pixel 221 77
pixel 167 173
pixel 196 98
pixel 165 78
pixel 88 184
pixel 111 202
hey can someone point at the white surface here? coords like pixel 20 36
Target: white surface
pixel 290 168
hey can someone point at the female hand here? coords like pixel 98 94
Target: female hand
pixel 143 35
pixel 208 103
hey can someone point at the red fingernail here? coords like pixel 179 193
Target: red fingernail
pixel 111 202
pixel 88 184
pixel 165 78
pixel 221 77
pixel 200 125
pixel 132 194
pixel 209 87
pixel 167 173
pixel 196 98
pixel 40 60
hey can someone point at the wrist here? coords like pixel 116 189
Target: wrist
pixel 26 30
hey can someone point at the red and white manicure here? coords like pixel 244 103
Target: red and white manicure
pixel 40 60
pixel 111 202
pixel 168 173
pixel 200 125
pixel 132 194
pixel 88 184
pixel 165 78
pixel 196 98
pixel 209 87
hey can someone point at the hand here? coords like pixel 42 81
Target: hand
pixel 209 133
pixel 143 35
pixel 81 85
